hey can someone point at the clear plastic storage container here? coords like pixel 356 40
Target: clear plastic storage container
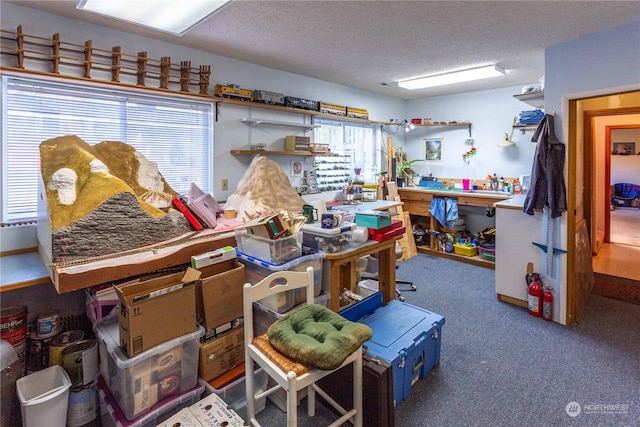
pixel 112 416
pixel 275 251
pixel 263 316
pixel 257 269
pixel 327 240
pixel 137 383
pixel 235 396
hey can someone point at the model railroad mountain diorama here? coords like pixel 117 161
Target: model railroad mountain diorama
pixel 263 189
pixel 104 199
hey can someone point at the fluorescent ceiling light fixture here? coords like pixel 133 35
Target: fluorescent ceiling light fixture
pixel 455 77
pixel 170 16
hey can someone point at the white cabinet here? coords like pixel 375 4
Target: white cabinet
pixel 515 232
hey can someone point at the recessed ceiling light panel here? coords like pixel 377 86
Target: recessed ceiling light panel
pixel 450 78
pixel 169 16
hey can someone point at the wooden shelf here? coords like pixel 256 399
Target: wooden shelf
pixel 458 124
pixel 474 260
pixel 535 99
pixel 524 128
pixel 255 122
pixel 276 153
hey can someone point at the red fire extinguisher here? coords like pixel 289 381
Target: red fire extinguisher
pixel 535 295
pixel 547 304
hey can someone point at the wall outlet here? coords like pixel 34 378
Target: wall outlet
pixel 225 184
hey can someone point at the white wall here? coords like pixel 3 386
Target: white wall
pixel 223 70
pixel 626 168
pixel 229 132
pixel 491 113
pixel 597 64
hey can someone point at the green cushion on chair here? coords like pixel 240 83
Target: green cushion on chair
pixel 317 336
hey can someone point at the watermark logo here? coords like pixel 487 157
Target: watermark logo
pixel 606 408
pixel 573 409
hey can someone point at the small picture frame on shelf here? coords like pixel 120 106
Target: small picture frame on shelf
pixel 623 148
pixel 433 149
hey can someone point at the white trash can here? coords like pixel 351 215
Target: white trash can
pixel 44 397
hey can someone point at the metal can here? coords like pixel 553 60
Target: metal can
pixel 80 360
pixel 47 323
pixel 83 405
pixel 60 342
pixel 13 328
pixel 38 354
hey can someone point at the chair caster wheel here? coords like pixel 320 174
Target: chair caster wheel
pixel 401 299
pixel 413 287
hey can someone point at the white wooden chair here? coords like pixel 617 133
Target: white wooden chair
pixel 289 381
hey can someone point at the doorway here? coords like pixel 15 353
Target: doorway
pixel 615 274
pixel 623 167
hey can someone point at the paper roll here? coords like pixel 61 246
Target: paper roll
pixel 320 205
pixel 360 234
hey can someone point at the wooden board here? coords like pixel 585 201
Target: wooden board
pixel 407 243
pixel 73 276
pixel 583 273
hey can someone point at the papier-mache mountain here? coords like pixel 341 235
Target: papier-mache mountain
pixel 104 199
pixel 263 189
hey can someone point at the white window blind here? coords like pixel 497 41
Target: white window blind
pixel 176 133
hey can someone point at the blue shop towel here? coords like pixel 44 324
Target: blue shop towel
pixel 445 210
pixel 530 117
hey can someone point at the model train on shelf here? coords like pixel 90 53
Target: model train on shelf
pixel 233 91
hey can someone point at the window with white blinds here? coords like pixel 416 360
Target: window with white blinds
pixel 358 146
pixel 174 132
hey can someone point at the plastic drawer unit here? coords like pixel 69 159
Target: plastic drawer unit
pixel 406 336
pixel 112 416
pixel 137 383
pixel 257 269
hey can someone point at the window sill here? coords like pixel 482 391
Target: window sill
pixel 21 271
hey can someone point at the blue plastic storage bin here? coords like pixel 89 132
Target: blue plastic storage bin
pixel 406 336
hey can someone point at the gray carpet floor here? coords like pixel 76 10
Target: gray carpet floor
pixel 499 366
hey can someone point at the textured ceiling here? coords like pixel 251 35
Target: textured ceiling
pixel 364 43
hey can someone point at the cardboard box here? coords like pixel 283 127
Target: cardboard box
pixel 219 293
pixel 374 219
pixel 212 411
pixel 269 227
pixel 213 257
pixel 222 354
pixel 156 310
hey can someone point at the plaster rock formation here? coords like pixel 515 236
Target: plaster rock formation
pixel 104 199
pixel 263 189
